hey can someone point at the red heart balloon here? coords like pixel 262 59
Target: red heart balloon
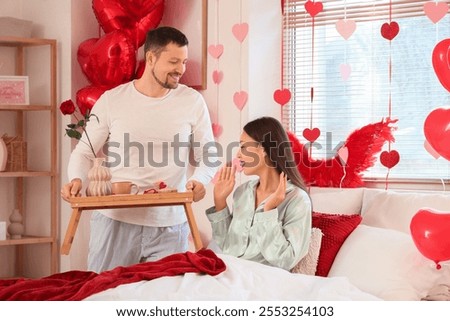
pixel 390 30
pixel 134 17
pixel 440 59
pixel 87 96
pixel 430 230
pixel 108 61
pixel 389 159
pixel 437 131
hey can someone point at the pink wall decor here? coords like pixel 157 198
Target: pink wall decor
pixel 217 129
pixel 215 51
pixel 217 76
pixel 345 27
pixel 240 31
pixel 240 99
pixel 435 11
pixel 345 70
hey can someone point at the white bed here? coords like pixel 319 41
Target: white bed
pixel 242 280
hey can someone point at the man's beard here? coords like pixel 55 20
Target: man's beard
pixel 164 84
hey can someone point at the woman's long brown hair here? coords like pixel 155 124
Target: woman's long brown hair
pixel 272 136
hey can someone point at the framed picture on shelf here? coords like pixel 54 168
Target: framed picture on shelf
pixel 14 90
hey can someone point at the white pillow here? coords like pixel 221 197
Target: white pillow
pixel 386 263
pixel 336 200
pixel 308 264
pixel 394 209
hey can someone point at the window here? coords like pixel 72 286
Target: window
pixel 340 106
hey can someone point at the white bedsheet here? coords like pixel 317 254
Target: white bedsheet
pixel 242 280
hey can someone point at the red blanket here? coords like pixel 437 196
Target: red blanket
pixel 77 285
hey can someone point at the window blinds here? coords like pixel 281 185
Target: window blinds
pixel 352 82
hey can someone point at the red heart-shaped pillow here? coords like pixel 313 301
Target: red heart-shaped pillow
pixel 134 17
pixel 107 61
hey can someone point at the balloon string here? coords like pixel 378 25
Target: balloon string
pixel 387 177
pixel 345 173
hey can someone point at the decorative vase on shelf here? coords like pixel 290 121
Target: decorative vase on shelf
pixel 3 154
pixel 16 228
pixel 99 179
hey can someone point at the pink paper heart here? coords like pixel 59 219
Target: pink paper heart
pixel 215 51
pixel 430 149
pixel 311 134
pixel 343 155
pixel 313 8
pixel 240 99
pixel 282 96
pixel 345 27
pixel 217 76
pixel 217 129
pixel 345 70
pixel 240 31
pixel 435 11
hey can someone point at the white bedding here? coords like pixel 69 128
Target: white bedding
pixel 242 280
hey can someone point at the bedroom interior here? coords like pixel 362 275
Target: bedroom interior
pixel 377 163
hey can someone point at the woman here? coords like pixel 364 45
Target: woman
pixel 271 219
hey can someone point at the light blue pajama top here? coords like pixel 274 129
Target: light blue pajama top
pixel 279 237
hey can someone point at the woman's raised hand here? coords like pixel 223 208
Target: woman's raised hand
pixel 224 186
pixel 278 196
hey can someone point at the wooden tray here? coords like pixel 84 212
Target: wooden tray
pixel 79 204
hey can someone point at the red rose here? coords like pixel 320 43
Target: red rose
pixel 67 107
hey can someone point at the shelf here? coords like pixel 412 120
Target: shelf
pixel 23 51
pixel 28 239
pixel 26 174
pixel 25 107
pixel 25 42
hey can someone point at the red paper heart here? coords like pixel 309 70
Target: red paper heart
pixel 389 159
pixel 282 96
pixel 430 230
pixel 311 134
pixel 390 30
pixel 313 8
pixel 215 51
pixel 440 59
pixel 109 61
pixel 437 131
pixel 134 17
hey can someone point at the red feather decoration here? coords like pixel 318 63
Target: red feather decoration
pixel 363 144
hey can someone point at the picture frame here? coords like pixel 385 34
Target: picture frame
pixel 190 17
pixel 14 90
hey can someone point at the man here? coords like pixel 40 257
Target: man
pixel 150 124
